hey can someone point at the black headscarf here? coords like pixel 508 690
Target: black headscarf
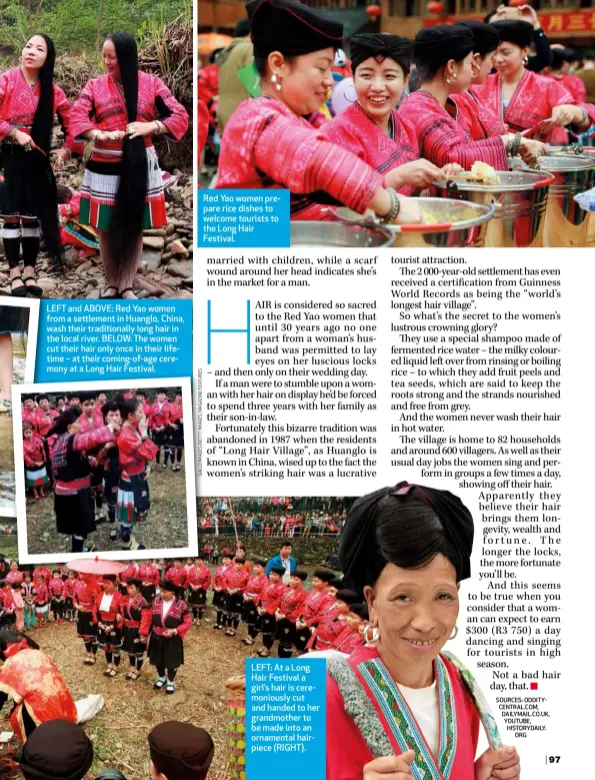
pixel 514 31
pixel 62 422
pixel 360 557
pixel 381 47
pixel 38 169
pixel 435 46
pixel 57 750
pixel 127 219
pixel 485 37
pixel 290 28
pixel 181 750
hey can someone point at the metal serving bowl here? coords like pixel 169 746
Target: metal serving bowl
pixel 306 233
pixel 449 224
pixel 520 200
pixel 567 224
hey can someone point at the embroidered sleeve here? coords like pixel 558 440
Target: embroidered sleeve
pixel 6 127
pixel 82 113
pixel 129 445
pixel 28 457
pixel 145 620
pixel 304 161
pixel 443 141
pixel 186 623
pixel 171 112
pixel 86 441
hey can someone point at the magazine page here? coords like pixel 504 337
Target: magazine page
pixel 326 516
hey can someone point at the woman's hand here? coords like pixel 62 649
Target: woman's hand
pixel 23 139
pixel 417 173
pixel 390 767
pixel 114 427
pixel 567 115
pixel 143 427
pixel 531 150
pixel 105 136
pixel 409 212
pixel 140 129
pixel 450 169
pixel 527 14
pixel 503 764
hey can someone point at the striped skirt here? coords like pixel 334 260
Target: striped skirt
pixel 134 500
pixel 100 185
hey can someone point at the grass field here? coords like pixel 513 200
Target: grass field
pixel 133 708
pixel 167 525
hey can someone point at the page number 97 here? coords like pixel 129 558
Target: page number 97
pixel 552 759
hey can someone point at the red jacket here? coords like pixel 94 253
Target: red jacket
pixel 255 586
pixel 199 578
pixel 85 594
pixel 134 452
pixel 149 573
pixel 348 639
pixel 116 610
pixel 129 573
pixel 42 595
pixel 70 587
pixel 178 576
pixel 137 614
pixel 178 617
pixel 314 606
pixel 159 417
pixel 237 580
pixel 176 413
pixel 56 589
pixel 42 571
pixel 33 452
pixel 220 582
pixel 292 603
pixel 271 596
pixel 45 420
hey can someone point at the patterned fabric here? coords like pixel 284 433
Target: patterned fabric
pixel 18 103
pixel 402 722
pixel 292 603
pixel 573 84
pixel 159 415
pixel 138 612
pixel 532 103
pixel 101 106
pixel 255 586
pixel 178 617
pixel 266 145
pixel 348 640
pixel 149 573
pixel 33 452
pixel 270 597
pixel 33 680
pixel 179 577
pixel 443 140
pixel 134 453
pixel 237 580
pixel 199 577
pixel 315 606
pixel 354 130
pixel 476 118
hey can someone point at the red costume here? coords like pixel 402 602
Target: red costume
pixel 314 606
pixel 42 594
pixel 203 127
pixel 271 597
pixel 208 83
pixel 573 84
pixel 220 581
pixel 134 453
pixel 101 106
pixel 199 577
pixel 443 140
pixel 18 103
pixel 179 577
pixel 57 589
pixel 237 579
pixel 33 681
pixel 458 742
pixel 476 117
pixel 266 145
pixel 45 420
pixel 292 603
pixel 42 571
pixel 352 129
pixel 532 102
pixel 148 574
pixel 115 614
pixel 137 614
pixel 129 573
pixel 348 639
pixel 14 576
pixel 159 414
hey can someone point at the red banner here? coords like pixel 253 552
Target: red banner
pixel 564 21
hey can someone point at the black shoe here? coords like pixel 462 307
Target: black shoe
pixel 33 289
pixel 159 685
pixel 20 291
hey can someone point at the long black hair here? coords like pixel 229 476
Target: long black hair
pixel 41 132
pixel 38 168
pixel 127 219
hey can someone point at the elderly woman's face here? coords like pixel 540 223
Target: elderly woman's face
pixel 415 609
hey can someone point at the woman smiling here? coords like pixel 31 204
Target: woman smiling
pixel 371 127
pixel 275 140
pixel 398 702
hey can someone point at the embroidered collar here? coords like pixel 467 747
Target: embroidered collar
pixel 403 725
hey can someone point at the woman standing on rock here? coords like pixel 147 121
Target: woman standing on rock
pixel 28 101
pixel 122 190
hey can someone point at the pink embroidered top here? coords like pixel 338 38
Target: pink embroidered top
pixel 18 103
pixel 266 145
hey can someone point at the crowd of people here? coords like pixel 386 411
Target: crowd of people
pixel 93 449
pixel 274 522
pixel 122 193
pixel 402 114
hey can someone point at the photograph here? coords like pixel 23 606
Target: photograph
pixel 144 671
pixel 105 469
pixel 420 130
pixel 96 149
pixel 18 341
